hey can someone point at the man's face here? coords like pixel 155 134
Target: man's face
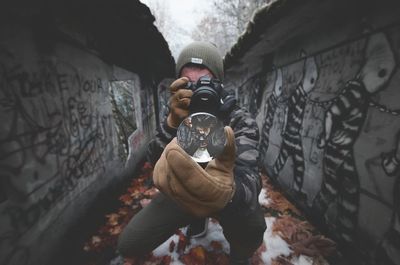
pixel 194 73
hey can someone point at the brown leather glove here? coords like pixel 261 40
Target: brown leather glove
pixel 179 102
pixel 199 191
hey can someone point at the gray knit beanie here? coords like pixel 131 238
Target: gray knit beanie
pixel 202 53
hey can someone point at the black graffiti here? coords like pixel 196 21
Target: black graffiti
pixel 26 98
pixel 94 86
pixel 51 123
pixel 333 60
pixel 47 80
pixel 87 160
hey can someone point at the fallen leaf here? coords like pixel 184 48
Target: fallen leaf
pixel 195 256
pixel 144 202
pixel 116 230
pixel 182 242
pixel 280 260
pixel 216 245
pixel 217 258
pixel 166 260
pixel 151 192
pixel 147 166
pixel 198 253
pixel 123 211
pixel 277 200
pixel 257 259
pixel 314 246
pixel 126 199
pixel 171 246
pixel 112 219
pixel 129 261
pixel 96 240
pixel 291 229
pixel 86 247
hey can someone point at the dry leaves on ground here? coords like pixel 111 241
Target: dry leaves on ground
pixel 277 200
pixel 138 195
pixel 314 246
pixel 300 235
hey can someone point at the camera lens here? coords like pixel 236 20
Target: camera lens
pixel 204 99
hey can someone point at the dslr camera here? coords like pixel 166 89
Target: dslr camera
pixel 201 134
pixel 207 95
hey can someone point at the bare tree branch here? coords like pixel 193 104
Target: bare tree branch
pixel 226 21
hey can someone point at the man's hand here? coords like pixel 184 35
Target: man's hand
pixel 179 102
pixel 199 191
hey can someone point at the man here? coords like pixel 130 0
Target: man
pixel 227 189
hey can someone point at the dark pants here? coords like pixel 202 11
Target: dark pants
pixel 159 220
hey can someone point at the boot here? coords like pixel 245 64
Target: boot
pixel 198 228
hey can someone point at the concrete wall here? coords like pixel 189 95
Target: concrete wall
pixel 73 125
pixel 327 104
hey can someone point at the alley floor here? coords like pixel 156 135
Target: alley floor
pixel 289 238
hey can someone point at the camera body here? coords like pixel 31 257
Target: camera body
pixel 207 95
pixel 202 134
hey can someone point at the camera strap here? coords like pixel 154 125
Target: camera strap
pixel 227 105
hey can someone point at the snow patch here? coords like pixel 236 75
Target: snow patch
pixel 302 260
pixel 163 249
pixel 276 246
pixel 263 198
pixel 214 233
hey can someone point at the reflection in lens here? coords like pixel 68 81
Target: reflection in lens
pixel 202 136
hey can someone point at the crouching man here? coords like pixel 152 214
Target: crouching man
pixel 226 189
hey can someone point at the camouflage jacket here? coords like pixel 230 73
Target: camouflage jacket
pixel 246 171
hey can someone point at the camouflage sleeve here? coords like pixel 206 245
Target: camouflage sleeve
pixel 164 135
pixel 246 171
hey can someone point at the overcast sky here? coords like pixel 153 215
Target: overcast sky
pixel 186 14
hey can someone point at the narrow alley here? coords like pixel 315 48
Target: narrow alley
pixel 85 86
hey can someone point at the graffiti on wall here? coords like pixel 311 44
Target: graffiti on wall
pixel 270 110
pixel 322 116
pixel 57 135
pixel 344 120
pixel 163 94
pixel 133 110
pixel 388 251
pixel 147 104
pixel 250 98
pixel 291 134
pixel 123 107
